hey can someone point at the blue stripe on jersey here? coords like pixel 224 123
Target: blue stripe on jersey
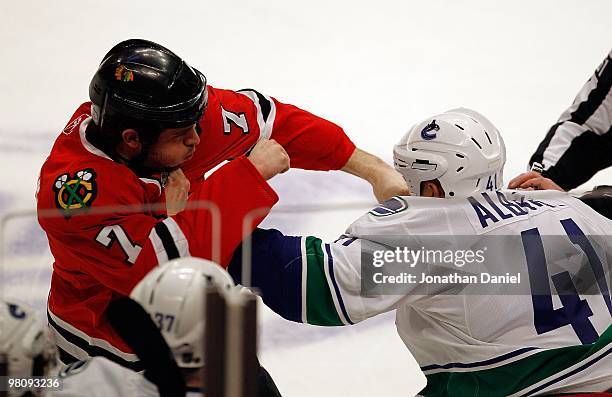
pixel 573 372
pixel 335 284
pixel 490 361
pixel 293 278
pixel 342 237
pixel 349 241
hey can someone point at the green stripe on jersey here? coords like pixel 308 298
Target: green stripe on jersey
pixel 320 308
pixel 514 377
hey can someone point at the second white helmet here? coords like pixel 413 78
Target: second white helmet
pixel 174 295
pixel 24 341
pixel 460 148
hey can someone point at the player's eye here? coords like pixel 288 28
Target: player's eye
pixel 180 135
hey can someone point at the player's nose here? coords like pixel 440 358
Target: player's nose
pixel 192 138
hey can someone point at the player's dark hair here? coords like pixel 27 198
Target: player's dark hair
pixel 109 135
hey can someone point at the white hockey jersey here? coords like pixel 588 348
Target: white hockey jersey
pixel 542 325
pixel 100 377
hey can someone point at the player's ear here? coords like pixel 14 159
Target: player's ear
pixel 131 139
pixel 432 189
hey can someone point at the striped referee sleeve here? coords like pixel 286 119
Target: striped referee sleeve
pixel 580 143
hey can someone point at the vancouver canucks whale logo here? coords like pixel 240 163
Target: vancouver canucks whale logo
pixel 426 132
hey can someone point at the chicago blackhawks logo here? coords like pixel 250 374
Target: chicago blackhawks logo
pixel 123 74
pixel 76 192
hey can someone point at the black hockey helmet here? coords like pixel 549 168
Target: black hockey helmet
pixel 146 82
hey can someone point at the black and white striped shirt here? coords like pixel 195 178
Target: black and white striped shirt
pixel 580 143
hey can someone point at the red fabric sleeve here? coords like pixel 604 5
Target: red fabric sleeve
pixel 237 189
pixel 312 142
pixel 235 121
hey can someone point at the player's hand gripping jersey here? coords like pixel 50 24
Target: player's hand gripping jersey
pixel 468 339
pixel 101 252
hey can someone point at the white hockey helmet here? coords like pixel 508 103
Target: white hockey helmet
pixel 174 295
pixel 460 148
pixel 24 340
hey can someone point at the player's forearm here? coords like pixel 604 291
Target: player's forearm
pixel 365 165
pixel 385 181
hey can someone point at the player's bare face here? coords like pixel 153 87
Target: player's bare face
pixel 173 148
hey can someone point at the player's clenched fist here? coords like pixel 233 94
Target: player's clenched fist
pixel 269 158
pixel 177 191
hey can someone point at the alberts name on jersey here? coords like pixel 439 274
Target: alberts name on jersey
pixel 496 207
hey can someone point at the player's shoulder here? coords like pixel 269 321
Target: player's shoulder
pixel 544 198
pixel 74 152
pixel 82 112
pixel 241 94
pixel 98 369
pixel 90 366
pixel 247 111
pixel 407 206
pixel 225 97
pixel 99 376
pixel 405 214
pixel 77 174
pixel 480 213
pixel 241 100
pixel 72 144
pixel 493 211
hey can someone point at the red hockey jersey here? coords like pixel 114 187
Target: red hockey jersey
pixel 235 120
pixel 106 234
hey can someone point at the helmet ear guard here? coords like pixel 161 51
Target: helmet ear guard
pixel 460 148
pixel 423 166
